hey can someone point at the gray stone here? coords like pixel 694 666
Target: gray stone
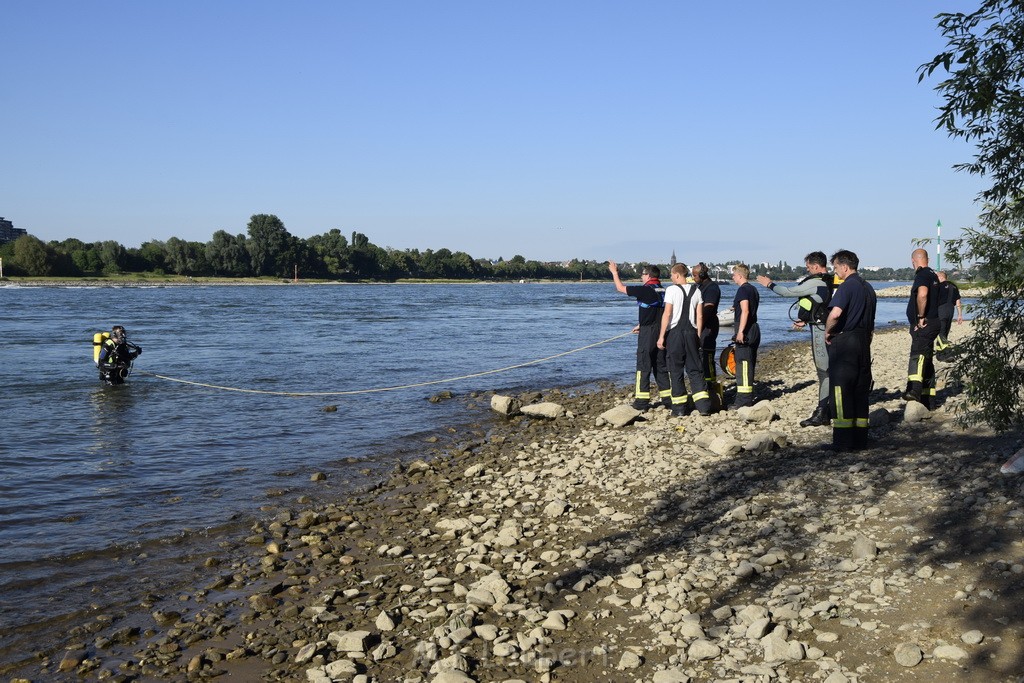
pixel 342 667
pixel 725 446
pixel 759 412
pixel 949 652
pixel 452 677
pixel 864 548
pixel 761 443
pixel 759 629
pixel 847 566
pixel 670 676
pixel 908 654
pixel 629 660
pixel 915 412
pixel 973 637
pixel 384 622
pixel 619 416
pixel 751 613
pixel 505 405
pixel 702 649
pixel 547 410
pixel 556 508
pixel 349 641
pixel 690 629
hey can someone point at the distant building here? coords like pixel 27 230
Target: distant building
pixel 9 233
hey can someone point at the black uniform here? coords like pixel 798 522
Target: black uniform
pixel 949 294
pixel 682 348
pixel 849 363
pixel 746 353
pixel 115 360
pixel 649 358
pixel 923 332
pixel 711 294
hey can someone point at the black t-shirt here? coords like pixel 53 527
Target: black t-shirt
pixel 711 295
pixel 925 277
pixel 856 298
pixel 747 292
pixel 949 294
pixel 651 300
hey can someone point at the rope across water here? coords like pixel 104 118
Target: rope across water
pixel 355 392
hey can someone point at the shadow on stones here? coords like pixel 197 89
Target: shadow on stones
pixel 963 527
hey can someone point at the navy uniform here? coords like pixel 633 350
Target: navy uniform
pixel 949 295
pixel 650 298
pixel 711 297
pixel 923 332
pixel 849 362
pixel 746 353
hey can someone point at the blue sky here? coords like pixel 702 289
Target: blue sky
pixel 553 129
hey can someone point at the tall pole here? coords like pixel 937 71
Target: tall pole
pixel 938 247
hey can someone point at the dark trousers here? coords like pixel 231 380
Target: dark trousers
pixel 746 361
pixel 945 325
pixel 684 360
pixel 849 374
pixel 650 359
pixel 921 368
pixel 708 339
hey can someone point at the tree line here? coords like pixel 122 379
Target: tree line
pixel 267 249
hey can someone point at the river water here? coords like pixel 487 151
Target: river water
pixel 92 475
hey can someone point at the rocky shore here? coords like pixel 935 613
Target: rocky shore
pixel 589 544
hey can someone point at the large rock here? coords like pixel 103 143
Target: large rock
pixel 762 442
pixel 879 417
pixel 349 641
pixel 506 405
pixel 547 409
pixel 908 654
pixel 725 445
pixel 759 412
pixel 915 412
pixel 864 548
pixel 619 416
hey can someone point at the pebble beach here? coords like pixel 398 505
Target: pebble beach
pixel 585 542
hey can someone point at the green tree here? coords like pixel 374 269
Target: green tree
pixel 227 255
pixel 332 250
pixel 267 242
pixel 113 256
pixel 983 94
pixel 31 256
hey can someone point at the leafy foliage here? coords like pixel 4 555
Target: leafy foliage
pixel 984 104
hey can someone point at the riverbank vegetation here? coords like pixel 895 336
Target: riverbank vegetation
pixel 268 250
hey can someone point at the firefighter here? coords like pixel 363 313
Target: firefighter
pixel 848 331
pixel 711 297
pixel 747 337
pixel 923 316
pixel 681 325
pixel 650 298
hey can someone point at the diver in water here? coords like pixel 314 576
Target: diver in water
pixel 116 355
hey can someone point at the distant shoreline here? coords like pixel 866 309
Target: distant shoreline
pixel 893 292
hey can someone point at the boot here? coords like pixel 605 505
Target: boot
pixel 819 418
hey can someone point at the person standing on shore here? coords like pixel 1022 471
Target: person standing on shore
pixel 650 298
pixel 711 297
pixel 747 337
pixel 848 332
pixel 681 326
pixel 813 292
pixel 923 315
pixel 949 298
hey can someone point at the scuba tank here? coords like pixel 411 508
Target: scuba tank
pixel 97 345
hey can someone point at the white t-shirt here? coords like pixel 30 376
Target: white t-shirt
pixel 674 295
